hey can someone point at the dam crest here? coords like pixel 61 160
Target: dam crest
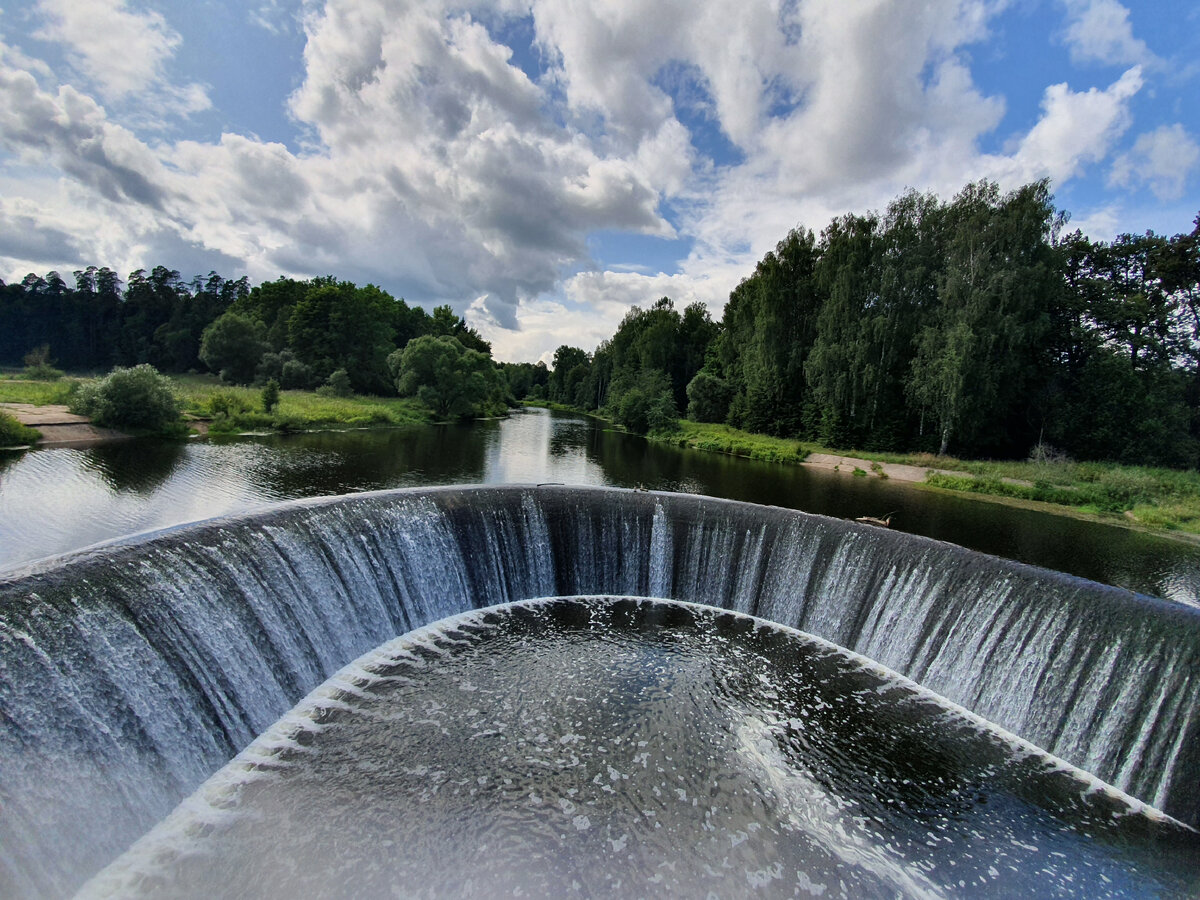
pixel 131 672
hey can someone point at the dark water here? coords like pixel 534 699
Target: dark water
pixel 621 747
pixel 52 501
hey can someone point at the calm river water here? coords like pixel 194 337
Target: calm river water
pixel 53 501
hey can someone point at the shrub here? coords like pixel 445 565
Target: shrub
pixel 337 385
pixel 296 374
pixel 137 397
pixel 270 396
pixel 39 367
pixel 14 434
pixel 226 404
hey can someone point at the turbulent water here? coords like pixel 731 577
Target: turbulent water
pixel 132 673
pixel 584 746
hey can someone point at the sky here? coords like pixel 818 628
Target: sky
pixel 542 166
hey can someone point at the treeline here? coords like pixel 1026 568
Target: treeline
pixel 319 333
pixel 976 326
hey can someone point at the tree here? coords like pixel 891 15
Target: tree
pixel 708 398
pixel 270 396
pixel 443 374
pixel 340 326
pixel 233 345
pixel 981 356
pixel 570 366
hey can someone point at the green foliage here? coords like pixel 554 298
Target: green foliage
pixel 227 404
pixel 137 397
pixel 644 402
pixel 270 396
pixel 337 325
pixel 233 345
pixel 724 439
pixel 708 398
pixel 38 366
pixel 451 380
pixel 337 385
pixel 14 434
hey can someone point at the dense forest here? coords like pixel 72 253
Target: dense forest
pixel 979 326
pixel 319 333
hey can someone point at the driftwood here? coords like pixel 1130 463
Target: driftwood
pixel 885 522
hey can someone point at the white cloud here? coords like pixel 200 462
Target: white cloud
pixel 73 131
pixel 1076 128
pixel 433 165
pixel 122 52
pixel 1100 31
pixel 1162 160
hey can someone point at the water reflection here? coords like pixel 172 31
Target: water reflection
pixel 52 501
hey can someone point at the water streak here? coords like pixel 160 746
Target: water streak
pixel 130 674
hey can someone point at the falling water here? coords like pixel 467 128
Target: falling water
pixel 131 673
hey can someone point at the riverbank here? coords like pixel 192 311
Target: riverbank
pixel 57 426
pixel 1160 500
pixel 211 406
pixel 227 409
pixel 1157 500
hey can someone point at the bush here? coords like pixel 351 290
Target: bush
pixel 14 434
pixel 337 385
pixel 270 396
pixel 226 404
pixel 138 398
pixel 38 366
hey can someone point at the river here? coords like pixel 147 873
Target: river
pixel 57 500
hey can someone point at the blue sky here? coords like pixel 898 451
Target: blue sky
pixel 541 165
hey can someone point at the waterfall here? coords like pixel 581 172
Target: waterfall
pixel 131 672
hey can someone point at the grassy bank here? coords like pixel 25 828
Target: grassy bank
pixel 39 393
pixel 235 409
pixel 1164 499
pixel 724 439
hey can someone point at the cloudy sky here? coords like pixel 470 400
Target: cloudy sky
pixel 543 165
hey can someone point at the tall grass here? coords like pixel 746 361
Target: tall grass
pixel 240 408
pixel 39 393
pixel 724 439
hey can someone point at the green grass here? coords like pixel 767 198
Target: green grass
pixel 1165 499
pixel 39 393
pixel 234 409
pixel 1156 498
pixel 724 439
pixel 14 434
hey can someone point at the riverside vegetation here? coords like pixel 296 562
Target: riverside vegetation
pixel 978 326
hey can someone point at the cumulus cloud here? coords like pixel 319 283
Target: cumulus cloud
pixel 1100 31
pixel 429 162
pixel 1162 160
pixel 122 52
pixel 1076 128
pixel 73 130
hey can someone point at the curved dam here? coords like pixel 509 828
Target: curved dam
pixel 130 673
